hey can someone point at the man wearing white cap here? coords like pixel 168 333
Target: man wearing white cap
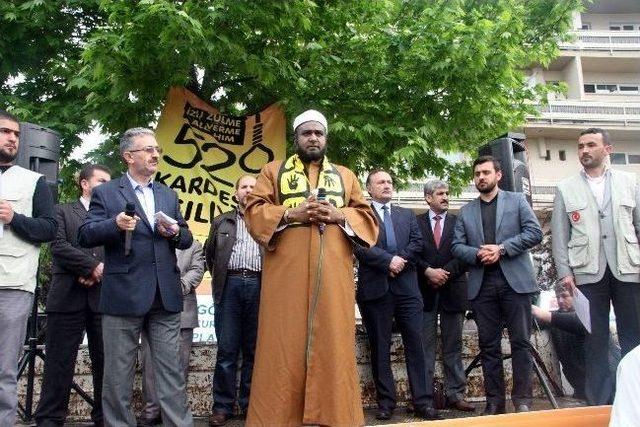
pixel 307 213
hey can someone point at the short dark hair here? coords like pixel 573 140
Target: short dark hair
pixel 559 287
pixel 373 172
pixel 88 170
pixel 484 159
pixel 606 138
pixel 4 114
pixel 240 179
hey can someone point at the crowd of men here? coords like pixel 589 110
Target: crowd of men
pixel 125 269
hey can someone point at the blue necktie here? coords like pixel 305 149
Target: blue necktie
pixel 392 245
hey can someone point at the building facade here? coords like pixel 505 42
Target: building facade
pixel 601 70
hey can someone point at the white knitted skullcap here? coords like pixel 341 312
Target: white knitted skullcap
pixel 310 116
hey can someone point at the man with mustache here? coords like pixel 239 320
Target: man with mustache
pixel 596 221
pixel 141 290
pixel 27 220
pixel 493 234
pixel 305 363
pixel 387 291
pixel 443 283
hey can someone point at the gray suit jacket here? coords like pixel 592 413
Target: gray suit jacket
pixel 517 228
pixel 191 264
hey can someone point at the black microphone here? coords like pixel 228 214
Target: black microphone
pixel 322 195
pixel 129 210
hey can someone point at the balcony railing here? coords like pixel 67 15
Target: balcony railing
pixel 584 112
pixel 604 41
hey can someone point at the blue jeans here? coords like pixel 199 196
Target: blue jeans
pixel 236 325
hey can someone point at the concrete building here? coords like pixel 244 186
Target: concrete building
pixel 601 70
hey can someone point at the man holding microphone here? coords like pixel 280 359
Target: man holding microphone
pixel 141 288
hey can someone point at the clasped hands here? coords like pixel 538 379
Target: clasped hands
pixel 316 211
pixel 94 277
pixel 489 254
pixel 436 276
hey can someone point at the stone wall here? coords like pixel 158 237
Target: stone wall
pixel 203 357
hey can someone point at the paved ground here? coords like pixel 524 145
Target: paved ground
pixel 400 416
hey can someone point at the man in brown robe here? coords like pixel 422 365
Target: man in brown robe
pixel 305 365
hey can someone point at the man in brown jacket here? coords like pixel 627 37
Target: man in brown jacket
pixel 235 262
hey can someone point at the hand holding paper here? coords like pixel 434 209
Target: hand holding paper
pixel 581 306
pixel 167 226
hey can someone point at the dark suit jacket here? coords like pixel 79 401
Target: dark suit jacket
pixel 517 228
pixel 70 262
pixel 130 282
pixel 218 248
pixel 453 294
pixel 373 270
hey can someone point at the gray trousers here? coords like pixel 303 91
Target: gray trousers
pixel 451 335
pixel 15 307
pixel 151 407
pixel 121 335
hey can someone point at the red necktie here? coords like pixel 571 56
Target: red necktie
pixel 437 231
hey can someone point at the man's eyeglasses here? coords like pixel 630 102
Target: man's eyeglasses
pixel 9 131
pixel 148 149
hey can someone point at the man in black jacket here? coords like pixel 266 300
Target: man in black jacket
pixel 443 284
pixel 568 335
pixel 72 306
pixel 387 290
pixel 235 262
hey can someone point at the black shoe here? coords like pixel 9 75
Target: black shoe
pixel 493 409
pixel 218 418
pixel 143 421
pixel 462 405
pixel 384 414
pixel 523 408
pixel 428 413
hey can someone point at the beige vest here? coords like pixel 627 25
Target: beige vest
pixel 18 258
pixel 582 211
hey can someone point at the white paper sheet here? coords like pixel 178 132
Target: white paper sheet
pixel 161 216
pixel 581 306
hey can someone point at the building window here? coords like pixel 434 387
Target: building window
pixel 618 158
pixel 613 88
pixel 624 26
pixel 586 26
pixel 547 155
pixel 606 88
pixel 629 89
pixel 562 155
pixel 633 159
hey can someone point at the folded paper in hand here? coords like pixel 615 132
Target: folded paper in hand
pixel 163 217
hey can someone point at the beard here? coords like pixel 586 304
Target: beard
pixel 6 157
pixel 488 188
pixel 591 162
pixel 310 157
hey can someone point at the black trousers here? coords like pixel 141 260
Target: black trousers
pixel 64 336
pixel 377 316
pixel 625 296
pixel 497 305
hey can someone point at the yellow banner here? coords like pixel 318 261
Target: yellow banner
pixel 205 152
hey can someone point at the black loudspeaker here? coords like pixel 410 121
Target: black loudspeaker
pixel 39 151
pixel 511 150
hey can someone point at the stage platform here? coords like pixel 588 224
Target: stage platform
pixel 401 416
